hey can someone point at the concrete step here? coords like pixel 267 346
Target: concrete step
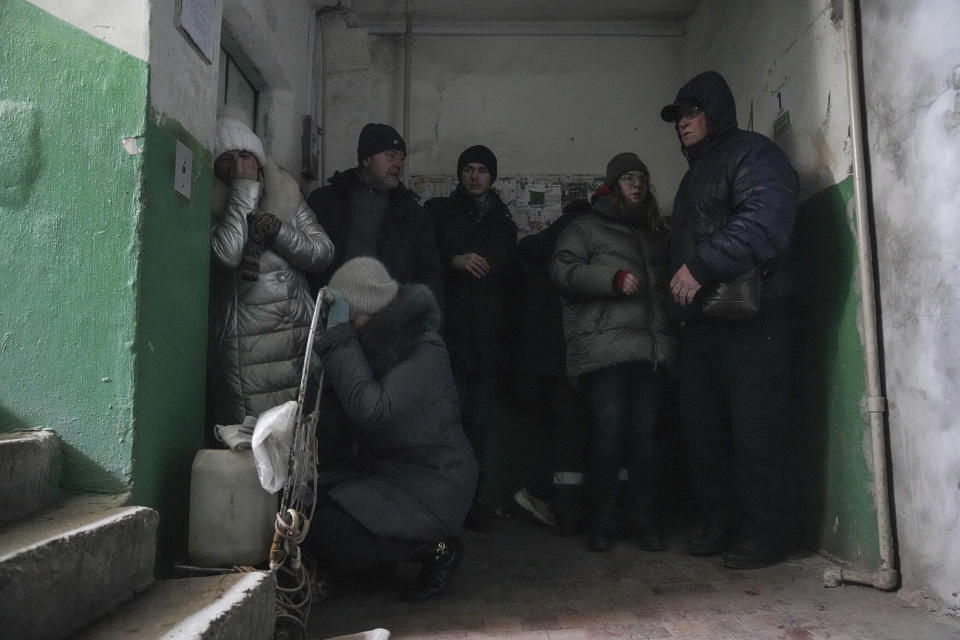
pixel 30 466
pixel 68 566
pixel 228 607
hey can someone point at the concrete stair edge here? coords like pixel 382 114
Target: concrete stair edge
pixel 68 566
pixel 30 469
pixel 232 605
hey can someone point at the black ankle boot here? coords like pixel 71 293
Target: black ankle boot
pixel 645 528
pixel 440 561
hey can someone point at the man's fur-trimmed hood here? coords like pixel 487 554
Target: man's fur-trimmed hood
pixel 392 334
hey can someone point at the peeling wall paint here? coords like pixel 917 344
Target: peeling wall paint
pixel 912 92
pixel 793 60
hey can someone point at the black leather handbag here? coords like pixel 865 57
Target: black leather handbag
pixel 735 299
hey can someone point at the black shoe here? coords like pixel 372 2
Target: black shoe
pixel 568 510
pixel 650 538
pixel 601 539
pixel 748 553
pixel 645 529
pixel 440 561
pixel 712 538
pixel 603 532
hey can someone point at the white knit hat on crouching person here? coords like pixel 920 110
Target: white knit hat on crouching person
pixel 365 285
pixel 234 135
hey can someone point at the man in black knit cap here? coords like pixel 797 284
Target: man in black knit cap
pixel 367 211
pixel 477 239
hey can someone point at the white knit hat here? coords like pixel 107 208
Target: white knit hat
pixel 234 134
pixel 365 284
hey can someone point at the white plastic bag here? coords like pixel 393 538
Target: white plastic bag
pixel 272 438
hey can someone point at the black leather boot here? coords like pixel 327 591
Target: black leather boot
pixel 645 528
pixel 440 561
pixel 603 530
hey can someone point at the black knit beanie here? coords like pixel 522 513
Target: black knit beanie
pixel 376 137
pixel 480 154
pixel 622 163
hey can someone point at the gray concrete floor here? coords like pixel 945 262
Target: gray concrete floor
pixel 522 581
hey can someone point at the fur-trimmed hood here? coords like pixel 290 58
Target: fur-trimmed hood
pixel 391 335
pixel 281 193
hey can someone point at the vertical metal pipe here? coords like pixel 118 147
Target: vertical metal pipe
pixel 321 170
pixel 887 577
pixel 407 57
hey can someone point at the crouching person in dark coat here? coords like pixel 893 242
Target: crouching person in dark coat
pixel 416 474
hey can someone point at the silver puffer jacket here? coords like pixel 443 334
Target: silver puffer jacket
pixel 259 328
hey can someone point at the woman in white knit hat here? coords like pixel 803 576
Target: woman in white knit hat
pixel 408 494
pixel 264 237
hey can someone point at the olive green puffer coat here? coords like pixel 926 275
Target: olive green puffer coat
pixel 603 327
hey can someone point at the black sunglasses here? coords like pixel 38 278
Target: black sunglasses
pixel 687 111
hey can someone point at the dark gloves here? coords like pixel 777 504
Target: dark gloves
pixel 250 262
pixel 263 228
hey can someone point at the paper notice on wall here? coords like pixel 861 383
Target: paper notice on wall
pixel 196 20
pixel 534 201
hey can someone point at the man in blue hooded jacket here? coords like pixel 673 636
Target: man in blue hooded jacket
pixel 734 211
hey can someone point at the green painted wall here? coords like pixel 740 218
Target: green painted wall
pixel 70 210
pixel 834 500
pixel 171 337
pixel 103 313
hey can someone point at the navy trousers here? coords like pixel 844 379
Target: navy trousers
pixel 735 410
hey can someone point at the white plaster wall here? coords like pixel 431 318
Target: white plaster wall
pixel 911 65
pixel 121 23
pixel 183 85
pixel 544 104
pixel 275 36
pixel 363 83
pixel 788 46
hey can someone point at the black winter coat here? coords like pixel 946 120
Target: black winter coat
pixel 477 314
pixel 541 348
pixel 406 244
pixel 416 473
pixel 736 205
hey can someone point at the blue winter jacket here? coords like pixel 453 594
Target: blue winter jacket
pixel 736 205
